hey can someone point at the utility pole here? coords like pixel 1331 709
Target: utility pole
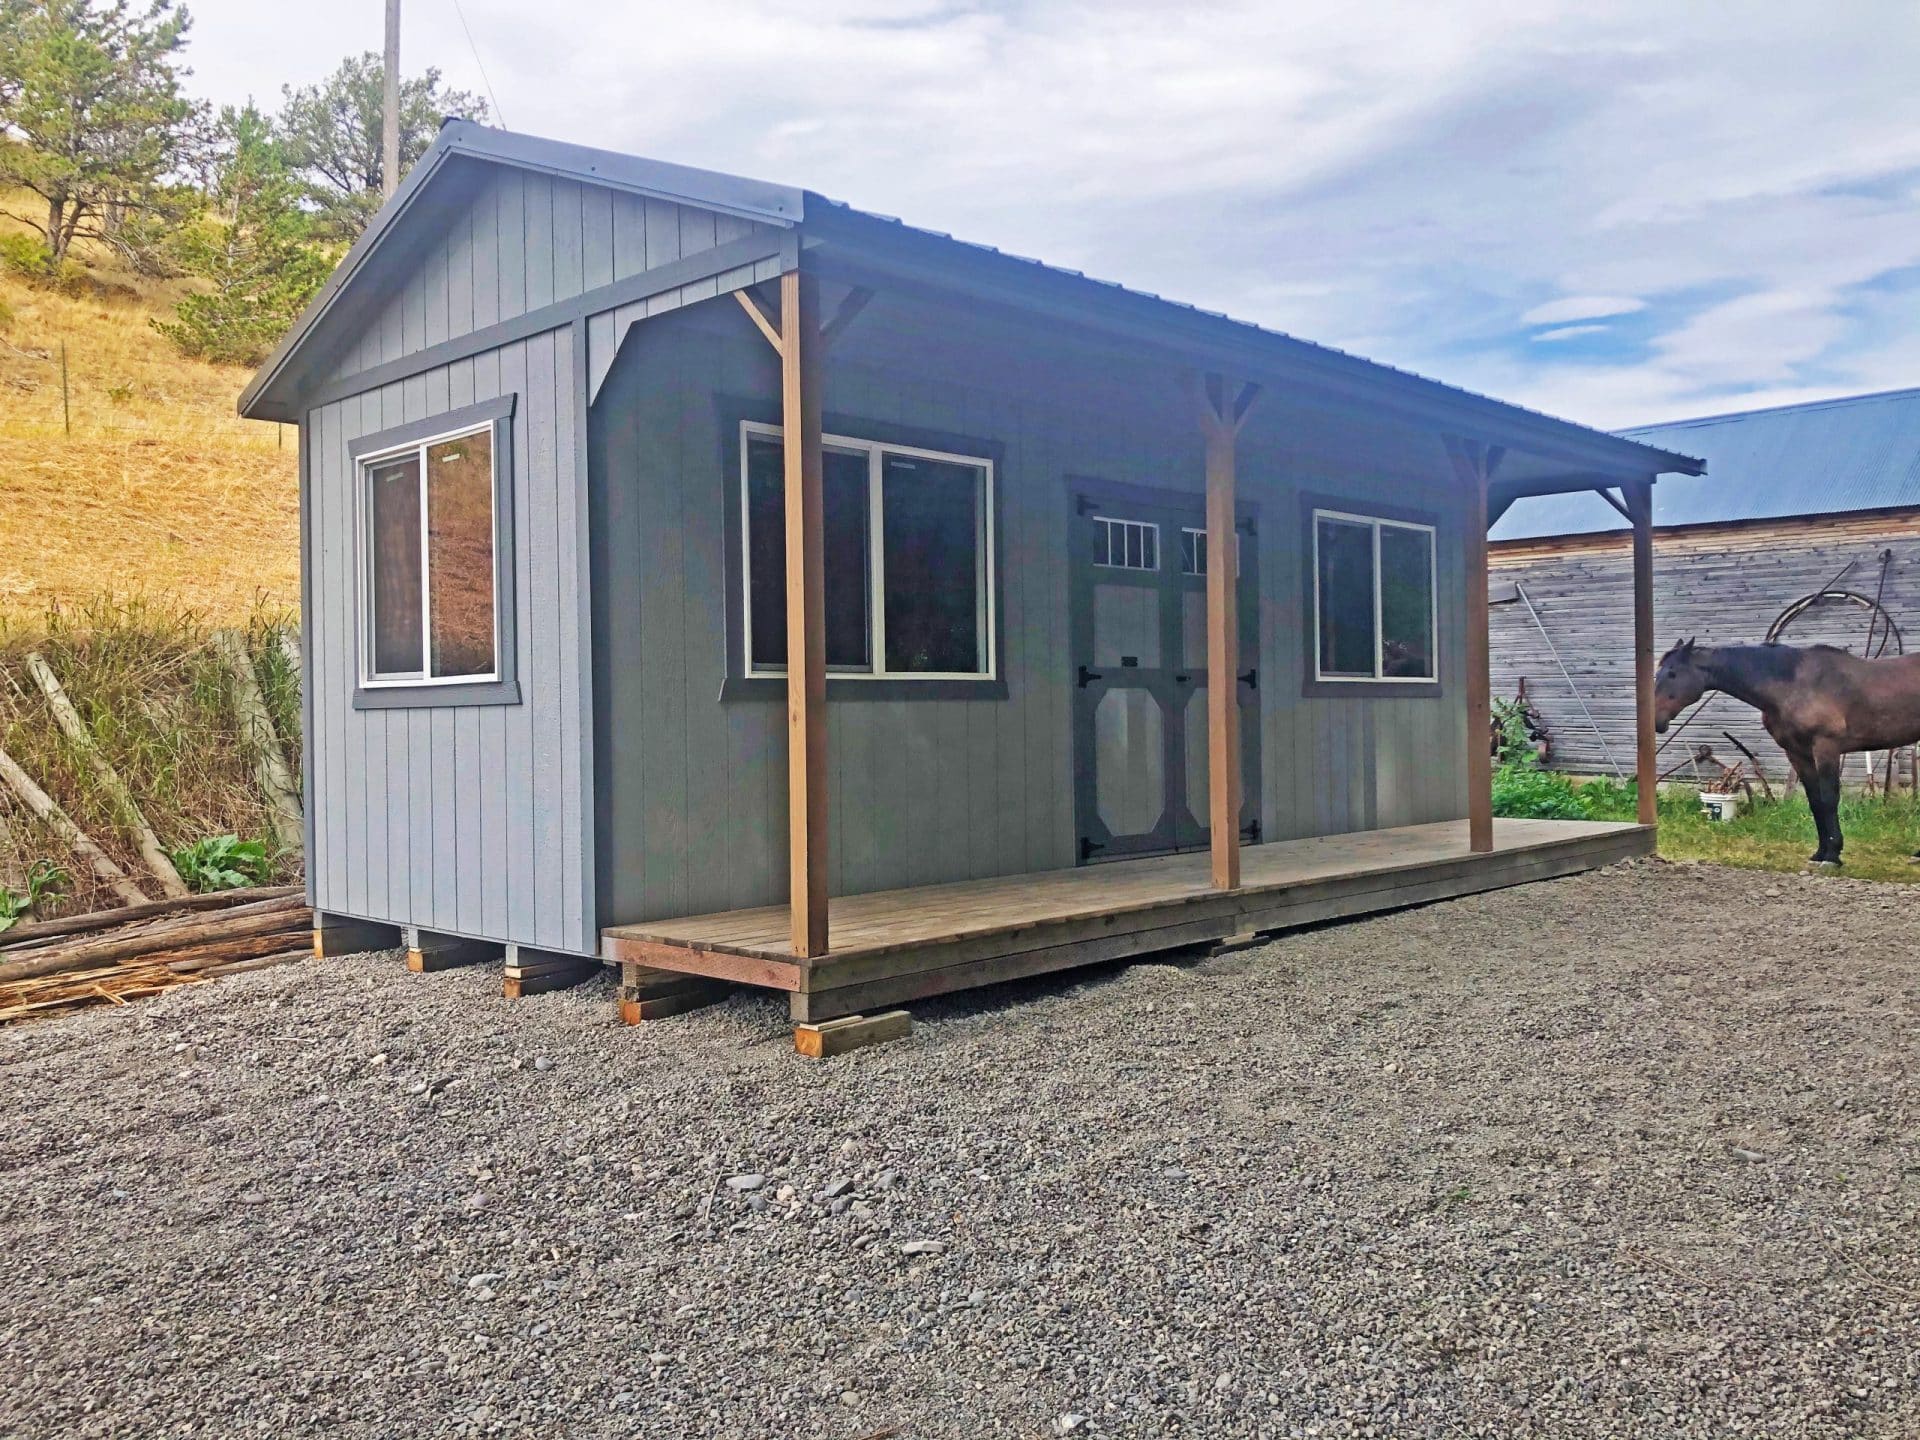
pixel 390 119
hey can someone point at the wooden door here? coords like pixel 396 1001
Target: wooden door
pixel 1139 650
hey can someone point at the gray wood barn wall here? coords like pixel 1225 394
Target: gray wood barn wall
pixel 1724 585
pixel 693 791
pixel 477 820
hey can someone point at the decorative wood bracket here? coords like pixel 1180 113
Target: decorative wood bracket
pixel 850 307
pixel 1218 414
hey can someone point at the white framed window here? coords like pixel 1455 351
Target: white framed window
pixel 1127 544
pixel 429 547
pixel 1375 601
pixel 909 563
pixel 1193 551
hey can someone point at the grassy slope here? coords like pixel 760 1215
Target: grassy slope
pixel 161 490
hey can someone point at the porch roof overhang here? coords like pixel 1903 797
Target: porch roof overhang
pixel 1545 455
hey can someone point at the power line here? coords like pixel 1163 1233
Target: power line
pixel 498 113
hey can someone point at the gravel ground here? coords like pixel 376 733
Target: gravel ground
pixel 1627 1154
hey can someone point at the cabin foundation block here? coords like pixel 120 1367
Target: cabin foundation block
pixel 344 935
pixel 427 952
pixel 648 994
pixel 534 972
pixel 837 1037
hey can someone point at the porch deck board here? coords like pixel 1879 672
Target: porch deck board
pixel 895 945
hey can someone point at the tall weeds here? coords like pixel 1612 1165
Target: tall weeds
pixel 158 702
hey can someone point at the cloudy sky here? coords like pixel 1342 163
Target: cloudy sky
pixel 1617 212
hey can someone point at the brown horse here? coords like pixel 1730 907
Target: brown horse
pixel 1817 702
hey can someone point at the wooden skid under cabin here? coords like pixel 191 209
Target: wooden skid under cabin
pixel 903 945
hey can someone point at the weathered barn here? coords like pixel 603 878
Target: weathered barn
pixel 597 451
pixel 1816 503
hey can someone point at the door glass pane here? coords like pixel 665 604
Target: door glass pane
pixel 1406 602
pixel 1130 772
pixel 932 515
pixel 394 560
pixel 845 580
pixel 460 554
pixel 1345 558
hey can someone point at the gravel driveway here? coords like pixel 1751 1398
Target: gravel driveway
pixel 1627 1154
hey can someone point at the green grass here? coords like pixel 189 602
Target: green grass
pixel 1880 835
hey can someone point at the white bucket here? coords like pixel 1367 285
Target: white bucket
pixel 1721 807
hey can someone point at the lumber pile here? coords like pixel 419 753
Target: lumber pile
pixel 117 955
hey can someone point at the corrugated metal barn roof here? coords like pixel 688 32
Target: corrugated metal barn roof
pixel 1827 457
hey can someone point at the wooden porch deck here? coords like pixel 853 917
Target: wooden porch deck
pixel 896 946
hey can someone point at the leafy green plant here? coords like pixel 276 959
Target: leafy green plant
pixel 222 862
pixel 45 881
pixel 1524 791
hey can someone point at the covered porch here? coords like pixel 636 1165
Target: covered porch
pixel 896 946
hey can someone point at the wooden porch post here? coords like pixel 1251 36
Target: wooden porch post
pixel 806 612
pixel 1221 416
pixel 1639 497
pixel 1474 463
pixel 801 341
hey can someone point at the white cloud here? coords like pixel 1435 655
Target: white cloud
pixel 1399 180
pixel 1581 307
pixel 1568 332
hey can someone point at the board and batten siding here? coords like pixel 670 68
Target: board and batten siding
pixel 1724 585
pixel 477 821
pixel 507 242
pixel 922 791
pixel 462 819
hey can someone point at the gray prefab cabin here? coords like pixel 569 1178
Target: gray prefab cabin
pixel 596 451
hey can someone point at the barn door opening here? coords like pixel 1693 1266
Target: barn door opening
pixel 1139 652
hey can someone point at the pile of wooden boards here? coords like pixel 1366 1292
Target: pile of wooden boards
pixel 115 955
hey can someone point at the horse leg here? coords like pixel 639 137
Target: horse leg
pixel 1803 767
pixel 1827 770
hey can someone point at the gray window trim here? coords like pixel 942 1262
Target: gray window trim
pixel 503 688
pixel 1313 688
pixel 740 686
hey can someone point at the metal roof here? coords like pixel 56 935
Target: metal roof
pixel 1825 457
pixel 1081 297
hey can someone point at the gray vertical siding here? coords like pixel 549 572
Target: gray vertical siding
pixel 508 241
pixel 693 790
pixel 461 819
pixel 479 820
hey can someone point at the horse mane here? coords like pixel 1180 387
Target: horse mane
pixel 1774 660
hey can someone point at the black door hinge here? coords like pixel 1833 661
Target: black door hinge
pixel 1087 677
pixel 1087 847
pixel 1251 679
pixel 1250 832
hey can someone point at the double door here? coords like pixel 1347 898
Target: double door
pixel 1139 647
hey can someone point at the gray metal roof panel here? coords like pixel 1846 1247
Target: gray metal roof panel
pixel 786 206
pixel 1824 457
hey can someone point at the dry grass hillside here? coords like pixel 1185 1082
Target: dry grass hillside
pixel 160 490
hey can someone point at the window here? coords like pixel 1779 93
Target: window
pixel 1373 598
pixel 429 561
pixel 1193 551
pixel 1128 544
pixel 908 580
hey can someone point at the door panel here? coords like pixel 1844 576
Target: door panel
pixel 1138 583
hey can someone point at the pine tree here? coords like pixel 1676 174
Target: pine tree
pixel 332 134
pixel 256 250
pixel 90 101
